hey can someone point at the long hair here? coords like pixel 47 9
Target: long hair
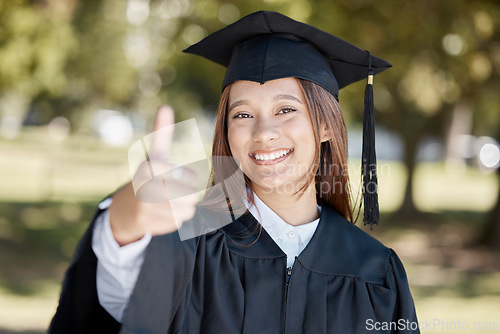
pixel 330 169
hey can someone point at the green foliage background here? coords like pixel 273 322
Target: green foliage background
pixel 73 57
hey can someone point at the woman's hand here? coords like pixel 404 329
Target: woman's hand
pixel 131 218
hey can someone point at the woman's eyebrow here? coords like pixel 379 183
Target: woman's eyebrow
pixel 237 103
pixel 286 97
pixel 276 98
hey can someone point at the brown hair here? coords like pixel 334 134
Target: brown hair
pixel 329 171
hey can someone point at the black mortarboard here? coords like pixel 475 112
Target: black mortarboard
pixel 265 46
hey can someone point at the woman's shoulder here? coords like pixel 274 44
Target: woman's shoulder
pixel 352 234
pixel 342 248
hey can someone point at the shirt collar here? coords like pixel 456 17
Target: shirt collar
pixel 275 226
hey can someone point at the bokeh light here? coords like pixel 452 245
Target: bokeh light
pixel 193 33
pixel 137 11
pixel 114 128
pixel 228 13
pixel 489 155
pixel 454 44
pixel 150 83
pixel 480 66
pixel 484 24
pixel 137 48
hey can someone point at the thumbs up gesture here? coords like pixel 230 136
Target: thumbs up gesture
pixel 143 205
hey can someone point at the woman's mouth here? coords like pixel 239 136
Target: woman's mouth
pixel 270 157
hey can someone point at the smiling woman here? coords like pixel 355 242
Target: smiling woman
pixel 277 137
pixel 264 127
pixel 293 262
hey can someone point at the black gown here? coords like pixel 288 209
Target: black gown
pixel 234 280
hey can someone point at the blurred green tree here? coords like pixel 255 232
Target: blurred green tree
pixel 36 41
pixel 67 57
pixel 445 60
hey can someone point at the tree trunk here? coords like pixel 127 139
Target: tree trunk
pixel 408 210
pixel 490 236
pixel 460 124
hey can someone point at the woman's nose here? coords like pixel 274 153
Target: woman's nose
pixel 265 130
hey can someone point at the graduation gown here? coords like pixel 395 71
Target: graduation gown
pixel 235 280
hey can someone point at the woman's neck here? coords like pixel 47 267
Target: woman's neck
pixel 292 208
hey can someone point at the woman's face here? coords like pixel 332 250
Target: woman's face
pixel 270 133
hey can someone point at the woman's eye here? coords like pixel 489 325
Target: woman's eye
pixel 241 115
pixel 286 110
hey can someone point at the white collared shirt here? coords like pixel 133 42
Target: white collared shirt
pixel 118 267
pixel 291 239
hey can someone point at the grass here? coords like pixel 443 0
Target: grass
pixel 49 190
pixel 37 241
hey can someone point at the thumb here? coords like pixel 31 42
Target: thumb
pixel 163 132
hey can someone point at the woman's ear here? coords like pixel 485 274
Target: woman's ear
pixel 324 134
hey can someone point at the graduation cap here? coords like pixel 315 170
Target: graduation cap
pixel 265 46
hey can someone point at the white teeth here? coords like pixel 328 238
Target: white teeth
pixel 271 156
